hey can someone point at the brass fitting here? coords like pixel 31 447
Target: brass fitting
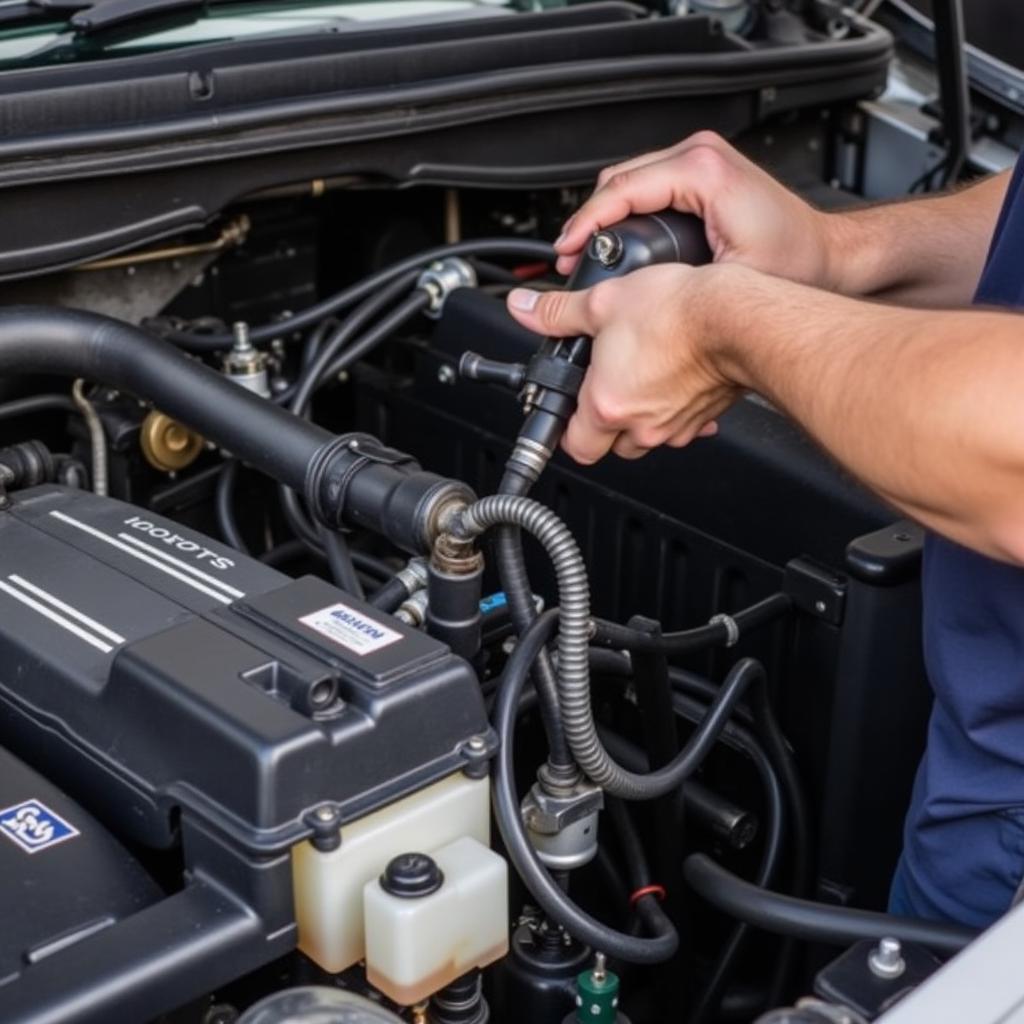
pixel 455 556
pixel 167 444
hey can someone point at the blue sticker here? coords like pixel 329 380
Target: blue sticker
pixel 34 827
pixel 493 602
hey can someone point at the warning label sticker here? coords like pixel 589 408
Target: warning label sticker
pixel 354 630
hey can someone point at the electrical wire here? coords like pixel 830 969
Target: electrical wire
pixel 717 632
pixel 36 404
pixel 97 438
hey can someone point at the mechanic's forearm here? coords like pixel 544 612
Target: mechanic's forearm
pixel 924 406
pixel 921 252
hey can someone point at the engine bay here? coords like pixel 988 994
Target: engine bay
pixel 331 691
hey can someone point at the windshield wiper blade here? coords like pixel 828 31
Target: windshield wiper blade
pixel 110 13
pixel 88 16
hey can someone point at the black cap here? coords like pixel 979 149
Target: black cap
pixel 410 875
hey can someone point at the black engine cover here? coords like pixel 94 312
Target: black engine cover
pixel 65 876
pixel 189 696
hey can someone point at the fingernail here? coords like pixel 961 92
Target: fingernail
pixel 523 299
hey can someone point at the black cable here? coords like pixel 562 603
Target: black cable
pixel 36 403
pixel 224 500
pixel 619 637
pixel 339 560
pixel 373 566
pixel 813 922
pixel 312 344
pixel 320 368
pixel 522 248
pixel 552 900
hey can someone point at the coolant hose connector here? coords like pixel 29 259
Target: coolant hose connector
pixel 443 277
pixel 355 480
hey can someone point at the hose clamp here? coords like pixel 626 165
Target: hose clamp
pixel 732 629
pixel 531 455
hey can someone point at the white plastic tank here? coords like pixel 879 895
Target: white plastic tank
pixel 328 886
pixel 430 919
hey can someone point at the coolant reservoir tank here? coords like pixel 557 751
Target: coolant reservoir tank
pixel 329 885
pixel 430 919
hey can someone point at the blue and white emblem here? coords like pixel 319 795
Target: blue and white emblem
pixel 34 827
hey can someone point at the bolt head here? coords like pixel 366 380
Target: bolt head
pixel 325 814
pixel 886 959
pixel 446 374
pixel 606 248
pixel 477 744
pixel 820 607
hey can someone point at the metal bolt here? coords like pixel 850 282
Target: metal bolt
pixel 600 973
pixel 607 248
pixel 477 744
pixel 240 329
pixel 886 959
pixel 820 607
pixel 446 374
pixel 325 814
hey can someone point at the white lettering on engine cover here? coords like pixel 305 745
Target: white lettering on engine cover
pixel 353 629
pixel 179 543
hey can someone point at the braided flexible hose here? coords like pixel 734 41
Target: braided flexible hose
pixel 573 631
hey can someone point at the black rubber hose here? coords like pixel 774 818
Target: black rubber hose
pixel 612 634
pixel 706 1004
pixel 781 757
pixel 312 344
pixel 664 941
pixel 224 503
pixel 744 740
pixel 633 853
pixel 520 248
pixel 35 404
pixel 320 369
pixel 813 922
pixel 49 340
pixel 390 595
pixel 373 566
pixel 284 552
pixel 381 331
pixel 339 561
pixel 308 383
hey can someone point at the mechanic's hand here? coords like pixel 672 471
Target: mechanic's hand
pixel 652 378
pixel 748 216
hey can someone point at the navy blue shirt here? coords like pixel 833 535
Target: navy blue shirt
pixel 964 843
